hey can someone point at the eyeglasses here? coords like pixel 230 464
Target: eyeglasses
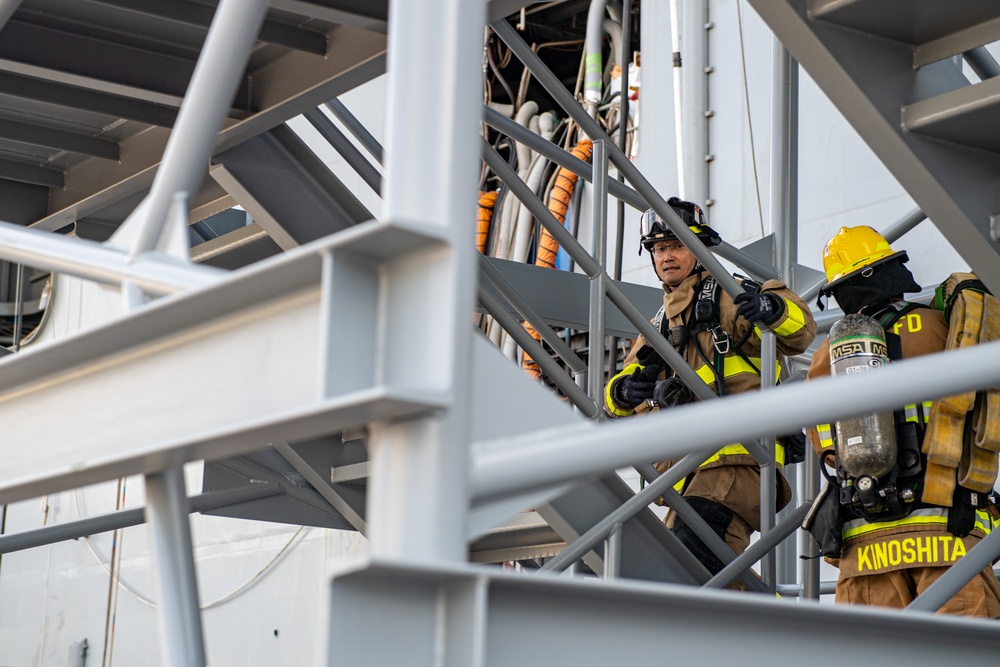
pixel 661 249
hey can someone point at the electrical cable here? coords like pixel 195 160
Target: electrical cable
pixel 746 97
pixel 496 71
pixel 303 530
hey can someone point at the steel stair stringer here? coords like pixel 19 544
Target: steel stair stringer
pixel 870 80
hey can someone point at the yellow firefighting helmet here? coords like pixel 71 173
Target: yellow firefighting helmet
pixel 852 250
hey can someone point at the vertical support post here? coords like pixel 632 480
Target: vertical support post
pixel 623 122
pixel 625 60
pixel 694 82
pixel 613 553
pixel 598 282
pixel 784 220
pixel 213 84
pixel 18 307
pixel 784 213
pixel 768 471
pixel 181 640
pixel 809 567
pixel 784 158
pixel 418 485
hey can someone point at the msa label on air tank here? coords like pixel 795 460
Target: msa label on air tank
pixel 856 440
pixel 856 347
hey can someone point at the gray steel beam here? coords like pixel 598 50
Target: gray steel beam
pixel 61 51
pixel 982 62
pixel 363 14
pixel 7 9
pixel 209 92
pixel 181 641
pixel 486 617
pixel 598 290
pixel 957 42
pixel 898 229
pixel 195 14
pixel 287 189
pixel 62 140
pixel 121 104
pixel 784 222
pixel 203 502
pixel 95 261
pixel 869 80
pixel 544 460
pixel 966 116
pixel 322 486
pixel 257 467
pixel 419 467
pixel 286 88
pixel 194 347
pixel 356 128
pixel 22 172
pixel 909 22
pixel 358 162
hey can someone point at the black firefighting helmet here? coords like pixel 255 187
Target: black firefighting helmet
pixel 653 228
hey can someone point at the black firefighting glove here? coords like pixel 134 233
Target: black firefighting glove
pixel 633 389
pixel 764 307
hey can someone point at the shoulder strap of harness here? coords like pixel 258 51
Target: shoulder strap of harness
pixel 887 317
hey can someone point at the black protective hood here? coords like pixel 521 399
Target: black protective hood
pixel 882 283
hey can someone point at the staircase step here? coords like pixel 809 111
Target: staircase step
pixel 913 22
pixel 967 116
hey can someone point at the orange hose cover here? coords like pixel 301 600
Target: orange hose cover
pixel 548 247
pixel 484 215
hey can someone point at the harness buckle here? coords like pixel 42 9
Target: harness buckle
pixel 721 340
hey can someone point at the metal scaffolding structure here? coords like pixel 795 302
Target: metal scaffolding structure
pixel 445 460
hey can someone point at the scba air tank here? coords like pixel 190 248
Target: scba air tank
pixel 865 445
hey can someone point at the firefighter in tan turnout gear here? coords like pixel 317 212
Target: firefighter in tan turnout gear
pixel 717 337
pixel 894 533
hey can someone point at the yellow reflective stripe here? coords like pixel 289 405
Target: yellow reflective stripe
pixel 916 518
pixel 794 320
pixel 984 521
pixel 910 412
pixel 825 432
pixel 734 365
pixel 609 402
pixel 922 517
pixel 927 405
pixel 740 450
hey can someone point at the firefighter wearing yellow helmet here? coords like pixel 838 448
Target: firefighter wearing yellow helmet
pixel 888 538
pixel 716 336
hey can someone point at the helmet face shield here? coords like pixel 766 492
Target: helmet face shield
pixel 651 224
pixel 653 228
